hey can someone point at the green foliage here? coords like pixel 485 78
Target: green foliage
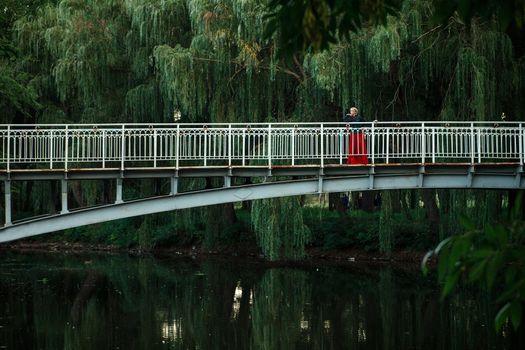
pixel 505 13
pixel 364 231
pixel 279 228
pixel 15 94
pixel 141 60
pixel 314 24
pixel 493 258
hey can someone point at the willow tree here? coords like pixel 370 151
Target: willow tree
pixel 279 228
pixel 228 73
pixel 141 60
pixel 413 69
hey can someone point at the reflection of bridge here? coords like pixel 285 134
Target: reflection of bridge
pixel 301 158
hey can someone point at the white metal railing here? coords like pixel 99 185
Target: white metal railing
pixel 125 145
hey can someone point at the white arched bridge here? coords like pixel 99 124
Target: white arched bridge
pixel 286 158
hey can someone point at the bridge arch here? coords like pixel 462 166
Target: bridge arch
pixel 364 178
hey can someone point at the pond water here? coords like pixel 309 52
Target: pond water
pixel 52 301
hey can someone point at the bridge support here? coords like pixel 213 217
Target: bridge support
pixel 227 181
pixel 118 196
pixel 174 184
pixel 64 197
pixel 470 174
pixel 7 194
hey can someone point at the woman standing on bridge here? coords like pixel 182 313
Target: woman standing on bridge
pixel 357 153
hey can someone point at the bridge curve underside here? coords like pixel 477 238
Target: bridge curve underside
pixel 319 180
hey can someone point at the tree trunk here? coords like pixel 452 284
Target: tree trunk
pixel 76 191
pixel 396 200
pixel 229 214
pixel 53 199
pixel 367 201
pixel 429 200
pixel 335 202
pixel 513 201
pixel 108 188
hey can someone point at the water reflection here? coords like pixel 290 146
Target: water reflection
pixel 118 302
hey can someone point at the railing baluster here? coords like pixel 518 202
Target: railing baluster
pixel 66 148
pixel 51 147
pixel 177 147
pixel 322 145
pixel 479 145
pixel 269 146
pixel 373 143
pixel 423 143
pixel 154 148
pixel 388 145
pixel 205 145
pixel 229 145
pixel 520 144
pixel 8 149
pixel 433 144
pixel 123 148
pixel 243 147
pixel 292 146
pixel 341 146
pixel 472 139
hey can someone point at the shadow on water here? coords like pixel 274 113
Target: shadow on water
pixel 121 302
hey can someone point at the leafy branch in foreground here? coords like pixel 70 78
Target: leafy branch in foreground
pixel 492 257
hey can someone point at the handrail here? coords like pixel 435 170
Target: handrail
pixel 445 123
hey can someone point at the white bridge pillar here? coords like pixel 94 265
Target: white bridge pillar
pixel 118 197
pixel 174 184
pixel 64 196
pixel 227 181
pixel 7 194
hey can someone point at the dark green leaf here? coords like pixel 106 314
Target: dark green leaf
pixel 467 224
pixel 491 234
pixel 443 263
pixel 477 270
pixel 515 314
pixel 511 291
pixel 424 266
pixel 493 268
pixel 502 316
pixel 502 234
pixel 450 283
pixel 510 274
pixel 458 251
pixel 481 253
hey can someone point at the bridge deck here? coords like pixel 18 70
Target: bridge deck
pixel 256 171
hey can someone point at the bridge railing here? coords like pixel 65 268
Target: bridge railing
pixel 125 145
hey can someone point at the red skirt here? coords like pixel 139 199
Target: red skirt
pixel 357 153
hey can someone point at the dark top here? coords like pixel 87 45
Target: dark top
pixel 358 120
